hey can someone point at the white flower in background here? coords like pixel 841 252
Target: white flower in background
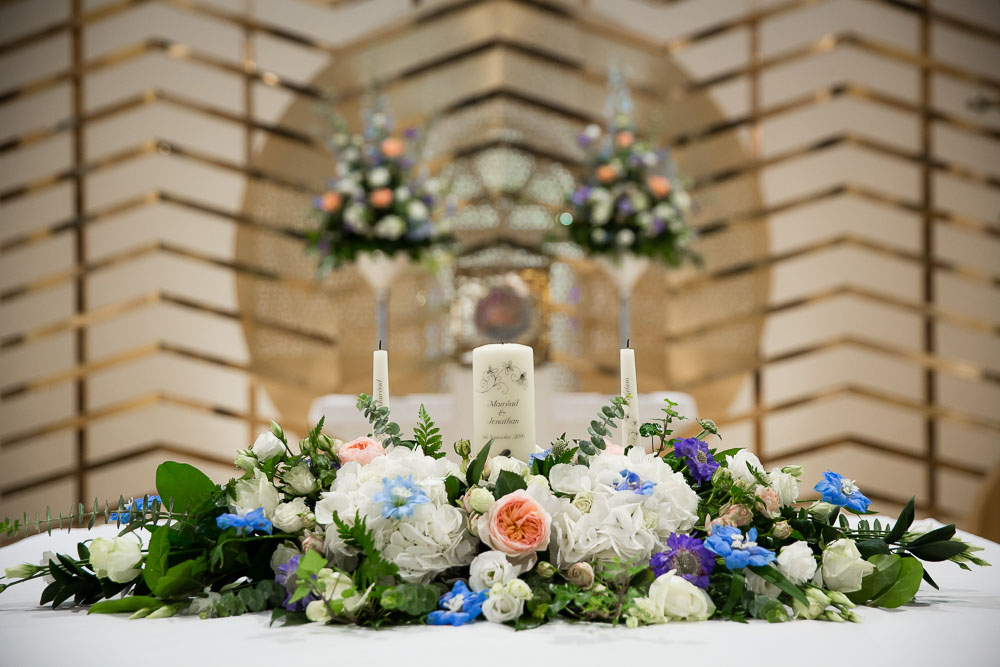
pixel 683 200
pixel 402 193
pixel 416 210
pixel 645 220
pixel 785 484
pixel 378 177
pixel 490 568
pixel 340 139
pixel 592 132
pixel 921 526
pixel 391 227
pixel 673 598
pixel 258 491
pixel 600 196
pixel 116 559
pixel 432 539
pixel 663 211
pixel 354 217
pixel 600 216
pixel 284 553
pixel 625 237
pixel 740 463
pixel 761 586
pixel 350 186
pixel 300 480
pixel 639 200
pixel 502 605
pixel 622 522
pixel 797 563
pixel 351 154
pixel 288 517
pixel 498 464
pixel 267 446
pixel 843 567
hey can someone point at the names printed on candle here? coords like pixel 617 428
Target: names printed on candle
pixel 379 391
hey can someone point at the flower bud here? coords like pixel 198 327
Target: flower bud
pixel 853 618
pixel 708 426
pixel 545 569
pixel 22 571
pixel 822 511
pixel 312 541
pixel 817 596
pixel 463 448
pixel 140 613
pixel 739 515
pixel 782 530
pixel 581 575
pixel 583 502
pixel 165 611
pixel 632 622
pixel 841 600
pixel 721 474
pixel 834 616
pixel 479 500
pixel 245 460
pixel 794 471
pixel 519 589
pixel 308 520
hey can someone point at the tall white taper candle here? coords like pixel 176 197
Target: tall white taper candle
pixel 380 377
pixel 630 424
pixel 503 399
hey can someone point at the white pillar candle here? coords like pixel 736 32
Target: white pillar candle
pixel 630 424
pixel 503 399
pixel 380 378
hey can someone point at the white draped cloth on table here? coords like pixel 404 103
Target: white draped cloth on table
pixel 957 625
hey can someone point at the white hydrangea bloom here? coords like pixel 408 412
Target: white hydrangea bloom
pixel 432 539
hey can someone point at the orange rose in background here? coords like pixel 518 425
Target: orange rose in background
pixel 516 524
pixel 381 198
pixel 606 173
pixel 658 185
pixel 362 450
pixel 330 201
pixel 625 139
pixel 392 147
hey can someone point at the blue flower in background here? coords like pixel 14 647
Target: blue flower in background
pixel 135 503
pixel 697 457
pixel 631 482
pixel 738 551
pixel 538 456
pixel 688 556
pixel 399 496
pixel 458 606
pixel 245 523
pixel 838 490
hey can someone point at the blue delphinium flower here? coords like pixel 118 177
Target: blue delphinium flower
pixel 697 457
pixel 838 490
pixel 136 504
pixel 688 556
pixel 538 456
pixel 285 576
pixel 399 496
pixel 245 523
pixel 631 482
pixel 458 606
pixel 738 551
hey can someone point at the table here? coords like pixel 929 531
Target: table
pixel 959 625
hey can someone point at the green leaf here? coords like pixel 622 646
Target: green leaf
pixel 453 487
pixel 878 580
pixel 904 587
pixel 412 599
pixel 156 558
pixel 311 563
pixel 872 546
pixel 936 551
pixel 477 465
pixel 735 593
pixel 184 578
pixel 509 482
pixel 772 575
pixel 124 605
pixel 182 484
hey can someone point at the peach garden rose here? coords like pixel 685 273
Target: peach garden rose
pixel 516 525
pixel 362 450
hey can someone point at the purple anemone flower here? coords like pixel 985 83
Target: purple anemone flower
pixel 688 556
pixel 697 457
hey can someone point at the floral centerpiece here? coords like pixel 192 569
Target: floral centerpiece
pixel 384 530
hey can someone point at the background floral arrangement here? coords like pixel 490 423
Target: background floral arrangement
pixel 377 201
pixel 384 530
pixel 630 200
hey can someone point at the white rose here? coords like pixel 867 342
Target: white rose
pixel 391 227
pixel 115 559
pixel 288 516
pixel 378 177
pixel 267 446
pixel 797 563
pixel 500 463
pixel 740 464
pixel 675 598
pixel 317 612
pixel 489 568
pixel 785 484
pixel 502 606
pixel 255 492
pixel 761 586
pixel 843 567
pixel 480 500
pixel 416 210
pixel 519 589
pixel 300 480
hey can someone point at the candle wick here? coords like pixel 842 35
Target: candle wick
pixel 627 342
pixel 380 343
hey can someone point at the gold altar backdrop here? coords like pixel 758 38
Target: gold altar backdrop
pixel 158 158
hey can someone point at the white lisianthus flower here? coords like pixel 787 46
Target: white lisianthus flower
pixel 116 559
pixel 22 571
pixel 317 612
pixel 673 598
pixel 288 516
pixel 255 492
pixel 797 562
pixel 843 567
pixel 378 177
pixel 416 210
pixel 502 605
pixel 740 463
pixel 267 446
pixel 497 464
pixel 761 586
pixel 490 568
pixel 519 588
pixel 391 227
pixel 785 484
pixel 300 480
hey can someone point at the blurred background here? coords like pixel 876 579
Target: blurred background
pixel 158 160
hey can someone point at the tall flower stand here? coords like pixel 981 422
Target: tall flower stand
pixel 625 271
pixel 380 270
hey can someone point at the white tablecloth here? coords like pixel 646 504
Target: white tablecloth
pixel 958 625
